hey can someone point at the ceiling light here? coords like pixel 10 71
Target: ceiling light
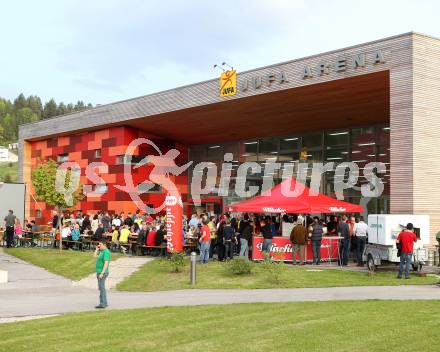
pixel 337 133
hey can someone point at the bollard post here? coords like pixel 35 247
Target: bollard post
pixel 193 268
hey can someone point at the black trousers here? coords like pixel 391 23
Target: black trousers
pixel 221 251
pixel 212 247
pixel 344 251
pixel 9 236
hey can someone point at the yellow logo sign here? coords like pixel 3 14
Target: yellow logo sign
pixel 228 83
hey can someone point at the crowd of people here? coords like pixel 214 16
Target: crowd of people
pixel 220 237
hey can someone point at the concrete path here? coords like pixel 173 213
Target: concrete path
pixel 119 270
pixel 23 275
pixel 75 299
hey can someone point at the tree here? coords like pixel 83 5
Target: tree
pixel 80 106
pixel 20 102
pixel 50 109
pixel 62 109
pixel 34 103
pixel 44 180
pixel 8 123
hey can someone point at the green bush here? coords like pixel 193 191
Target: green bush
pixel 177 262
pixel 274 268
pixel 240 266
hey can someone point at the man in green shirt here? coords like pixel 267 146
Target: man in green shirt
pixel 102 264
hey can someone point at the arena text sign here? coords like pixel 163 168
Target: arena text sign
pixel 321 69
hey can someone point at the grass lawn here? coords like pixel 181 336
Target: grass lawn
pixel 156 276
pixel 11 169
pixel 309 326
pixel 71 264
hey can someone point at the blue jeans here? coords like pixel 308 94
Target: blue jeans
pixel 244 248
pixel 361 241
pixel 204 252
pixel 267 244
pixel 229 250
pixel 316 249
pixel 102 293
pixel 405 257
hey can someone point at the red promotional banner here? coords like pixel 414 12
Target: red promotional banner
pixel 173 208
pixel 329 249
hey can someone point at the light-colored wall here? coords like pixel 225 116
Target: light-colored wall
pixel 426 129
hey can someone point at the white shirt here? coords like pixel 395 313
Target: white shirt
pixel 361 229
pixel 116 222
pixel 65 232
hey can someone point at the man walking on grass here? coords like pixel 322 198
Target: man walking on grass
pixel 102 265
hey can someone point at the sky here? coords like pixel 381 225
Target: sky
pixel 104 51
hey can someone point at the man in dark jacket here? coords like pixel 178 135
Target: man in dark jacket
pixel 229 236
pixel 220 239
pixel 299 237
pixel 106 222
pixel 97 236
pixel 140 240
pixel 245 230
pixel 128 220
pixel 343 230
pixel 316 238
pixel 266 231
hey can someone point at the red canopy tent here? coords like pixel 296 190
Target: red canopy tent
pixel 291 196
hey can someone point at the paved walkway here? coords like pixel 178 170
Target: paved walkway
pixel 119 270
pixel 34 292
pixel 58 301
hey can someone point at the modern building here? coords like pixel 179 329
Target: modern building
pixel 378 101
pixel 7 156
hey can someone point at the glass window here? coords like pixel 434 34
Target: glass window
pixel 121 160
pixel 214 152
pixel 269 145
pixel 101 188
pixel 383 135
pixel 336 138
pixel 268 149
pixel 312 140
pixel 363 136
pixel 232 147
pixel 149 187
pixel 197 153
pixel 336 155
pixel 289 143
pixel 362 155
pixel 313 156
pixel 248 151
pixel 63 158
